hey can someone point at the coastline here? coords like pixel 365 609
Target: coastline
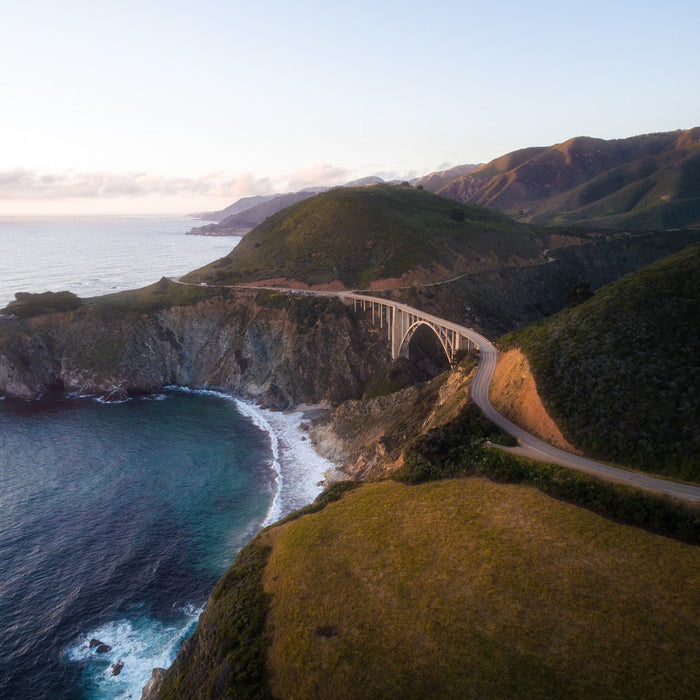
pixel 297 465
pixel 300 474
pixel 295 459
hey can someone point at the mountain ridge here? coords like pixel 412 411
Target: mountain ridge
pixel 643 182
pixel 650 181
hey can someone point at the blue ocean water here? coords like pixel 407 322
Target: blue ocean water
pixel 115 523
pixel 97 255
pixel 116 520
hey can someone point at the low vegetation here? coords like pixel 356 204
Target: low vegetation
pixel 358 235
pixel 161 295
pixel 28 305
pixel 469 588
pixel 463 447
pixel 303 311
pixel 619 372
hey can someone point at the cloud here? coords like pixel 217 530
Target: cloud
pixel 31 185
pixel 26 184
pixel 319 173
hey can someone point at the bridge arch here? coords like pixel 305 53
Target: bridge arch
pixel 402 322
pixel 441 337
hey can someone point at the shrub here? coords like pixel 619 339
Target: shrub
pixel 27 304
pixel 461 448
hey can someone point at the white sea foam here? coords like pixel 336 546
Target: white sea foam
pixel 111 402
pixel 301 469
pixel 153 397
pixel 256 415
pixel 79 395
pixel 141 644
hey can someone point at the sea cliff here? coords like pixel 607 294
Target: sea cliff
pixel 262 345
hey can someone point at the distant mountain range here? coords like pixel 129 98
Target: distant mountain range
pixel 240 222
pixel 648 182
pixel 643 182
pixel 434 182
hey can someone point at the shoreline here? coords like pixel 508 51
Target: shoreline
pixel 290 444
pixel 298 475
pixel 293 453
pixel 295 458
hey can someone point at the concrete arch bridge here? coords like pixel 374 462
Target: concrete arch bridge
pixel 402 321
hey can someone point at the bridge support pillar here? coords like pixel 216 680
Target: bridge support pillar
pixel 397 331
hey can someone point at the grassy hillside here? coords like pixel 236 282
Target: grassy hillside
pixel 620 374
pixel 647 182
pixel 447 590
pixel 456 588
pixel 357 235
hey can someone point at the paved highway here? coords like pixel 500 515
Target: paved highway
pixel 529 445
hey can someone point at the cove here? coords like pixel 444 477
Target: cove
pixel 115 523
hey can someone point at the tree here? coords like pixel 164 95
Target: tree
pixel 579 293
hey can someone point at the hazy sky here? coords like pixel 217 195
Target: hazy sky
pixel 175 106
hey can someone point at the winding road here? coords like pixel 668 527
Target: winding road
pixel 528 445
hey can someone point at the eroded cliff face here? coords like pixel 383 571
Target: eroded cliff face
pixel 513 393
pixel 368 438
pixel 278 349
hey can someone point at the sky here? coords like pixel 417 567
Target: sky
pixel 171 107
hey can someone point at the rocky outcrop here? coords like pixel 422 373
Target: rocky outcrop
pixel 152 688
pixel 265 346
pixel 100 647
pixel 368 437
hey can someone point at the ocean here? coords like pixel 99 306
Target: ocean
pixel 98 255
pixel 116 520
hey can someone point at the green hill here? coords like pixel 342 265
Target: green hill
pixel 620 374
pixel 358 235
pixel 460 588
pixel 647 182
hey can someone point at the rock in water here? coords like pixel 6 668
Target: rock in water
pixel 102 648
pixel 117 668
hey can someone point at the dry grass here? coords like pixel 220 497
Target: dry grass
pixel 467 588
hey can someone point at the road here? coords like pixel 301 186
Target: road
pixel 529 445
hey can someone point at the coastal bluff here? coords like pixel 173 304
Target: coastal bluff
pixel 273 348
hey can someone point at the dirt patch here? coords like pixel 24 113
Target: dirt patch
pixel 513 392
pixel 288 283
